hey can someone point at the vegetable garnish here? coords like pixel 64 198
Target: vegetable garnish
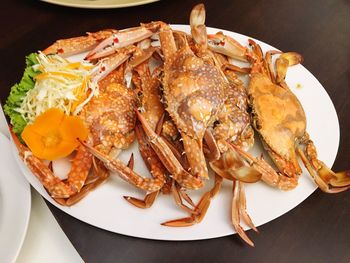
pixel 54 134
pixel 18 92
pixel 62 84
pixel 49 82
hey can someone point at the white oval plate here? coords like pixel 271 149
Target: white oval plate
pixel 99 4
pixel 15 203
pixel 105 208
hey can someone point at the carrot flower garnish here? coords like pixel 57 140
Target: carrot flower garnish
pixel 54 134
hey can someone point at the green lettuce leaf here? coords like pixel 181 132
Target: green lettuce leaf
pixel 18 92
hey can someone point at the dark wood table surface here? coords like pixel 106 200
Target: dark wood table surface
pixel 318 230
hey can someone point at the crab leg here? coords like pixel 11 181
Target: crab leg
pixel 115 165
pixel 100 172
pixel 235 68
pixel 57 189
pixel 243 208
pixel 149 198
pixel 214 152
pixel 201 208
pixel 153 164
pixel 284 61
pixel 230 165
pixel 194 153
pixel 168 186
pixel 153 109
pixel 143 57
pixel 268 64
pixel 238 210
pixel 178 195
pixel 147 202
pixel 185 196
pixel 122 39
pixel 76 45
pixel 325 178
pixel 257 59
pixel 168 159
pixel 269 175
pixel 181 194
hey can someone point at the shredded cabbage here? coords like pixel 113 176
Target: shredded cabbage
pixel 62 84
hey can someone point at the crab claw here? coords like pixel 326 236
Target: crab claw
pixel 55 187
pixel 281 69
pixel 100 175
pixel 122 39
pixel 268 174
pixel 167 157
pixel 115 165
pixel 325 178
pixel 338 182
pixel 226 45
pixel 149 198
pixel 283 62
pixel 293 58
pixel 107 65
pixel 198 28
pixel 232 167
pixel 154 166
pixel 76 45
pixel 213 149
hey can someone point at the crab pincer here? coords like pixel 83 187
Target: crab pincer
pixel 76 45
pixel 123 38
pixel 165 154
pixel 54 185
pixel 153 110
pixel 117 166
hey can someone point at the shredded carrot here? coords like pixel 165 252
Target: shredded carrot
pixel 80 93
pixel 53 74
pixel 74 65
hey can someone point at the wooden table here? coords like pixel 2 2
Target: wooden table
pixel 318 230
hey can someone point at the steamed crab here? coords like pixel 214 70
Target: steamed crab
pixel 110 118
pixel 283 132
pixel 279 118
pixel 232 125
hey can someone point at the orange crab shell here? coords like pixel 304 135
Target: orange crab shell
pixel 278 116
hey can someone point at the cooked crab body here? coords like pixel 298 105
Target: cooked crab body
pixel 279 118
pixel 194 92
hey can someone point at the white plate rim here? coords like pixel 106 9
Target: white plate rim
pixel 21 197
pixel 330 162
pixel 98 4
